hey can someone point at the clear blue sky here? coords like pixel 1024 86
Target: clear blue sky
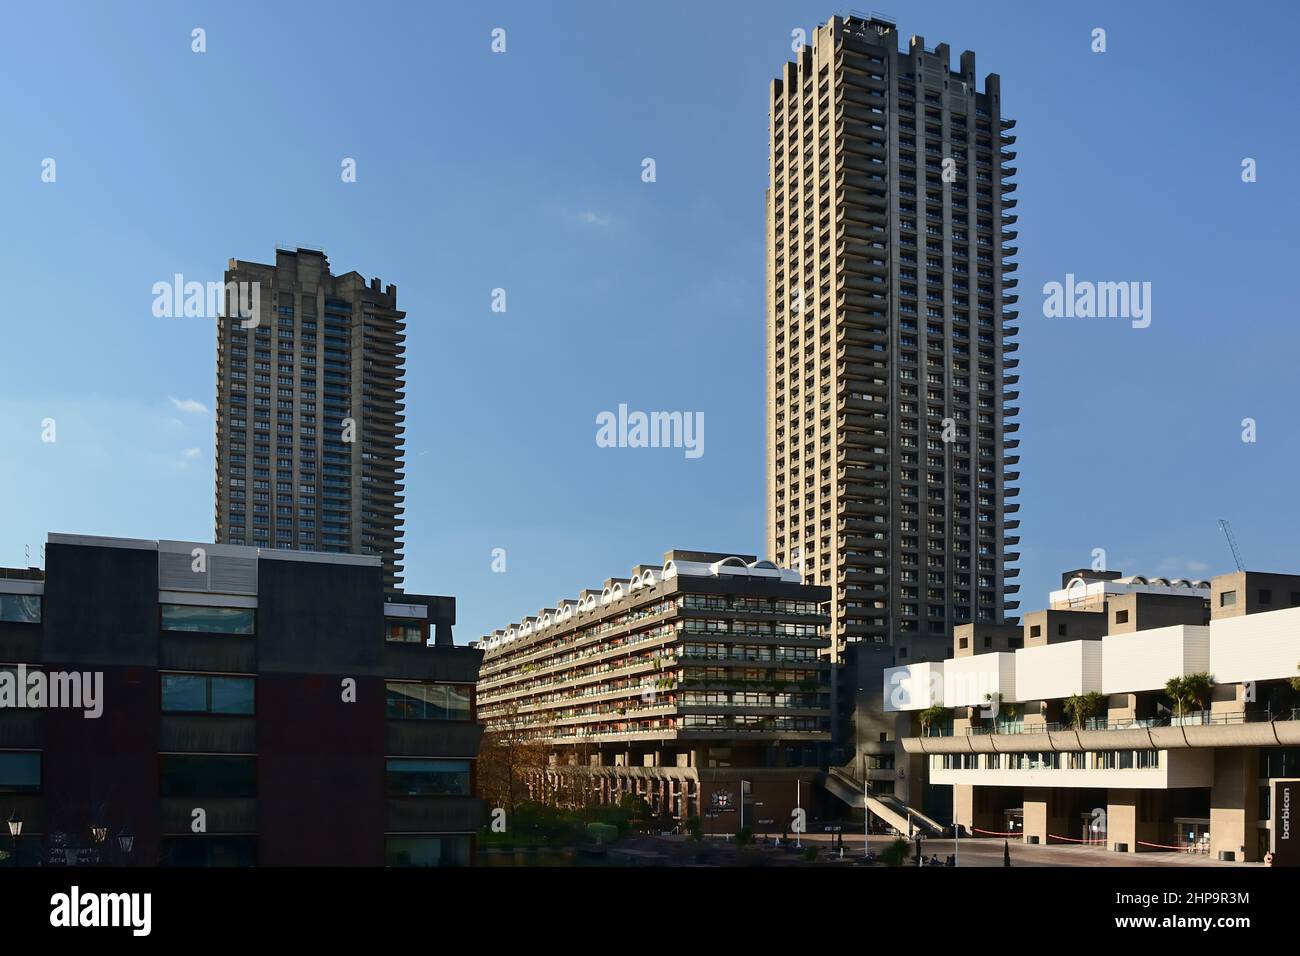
pixel 522 171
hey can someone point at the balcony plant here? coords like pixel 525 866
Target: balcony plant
pixel 1189 692
pixel 929 717
pixel 1078 708
pixel 1002 713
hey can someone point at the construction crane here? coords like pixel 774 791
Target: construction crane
pixel 1232 542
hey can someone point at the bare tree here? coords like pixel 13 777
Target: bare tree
pixel 513 752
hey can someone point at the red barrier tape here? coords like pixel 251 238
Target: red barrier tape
pixel 1089 842
pixel 1162 846
pixel 996 833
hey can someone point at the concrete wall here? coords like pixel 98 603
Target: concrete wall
pixel 1255 646
pixel 1055 626
pixel 1147 659
pixel 967 680
pixel 1139 610
pixel 1058 670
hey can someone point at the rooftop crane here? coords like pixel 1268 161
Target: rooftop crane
pixel 1232 542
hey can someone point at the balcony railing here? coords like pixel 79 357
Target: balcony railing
pixel 1203 718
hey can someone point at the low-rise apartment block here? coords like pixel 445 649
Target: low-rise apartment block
pixel 698 683
pixel 1074 733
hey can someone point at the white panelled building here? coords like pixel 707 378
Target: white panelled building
pixel 1063 729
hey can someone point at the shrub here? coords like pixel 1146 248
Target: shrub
pixel 896 853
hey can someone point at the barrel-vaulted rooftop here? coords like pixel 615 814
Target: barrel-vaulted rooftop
pixel 675 563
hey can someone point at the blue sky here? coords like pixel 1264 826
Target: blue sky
pixel 522 171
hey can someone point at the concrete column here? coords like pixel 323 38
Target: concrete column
pixel 1044 815
pixel 980 807
pixel 1234 803
pixel 1128 822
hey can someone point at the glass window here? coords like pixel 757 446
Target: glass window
pixel 208 776
pixel 209 851
pixel 201 694
pixel 20 772
pixel 231 695
pixel 426 851
pixel 427 778
pixel 184 693
pixel 411 701
pixel 208 620
pixel 20 608
pixel 401 632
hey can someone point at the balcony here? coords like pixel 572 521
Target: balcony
pixel 1194 732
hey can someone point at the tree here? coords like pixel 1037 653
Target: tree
pixel 929 716
pixel 575 779
pixel 1189 692
pixel 509 756
pixel 1295 681
pixel 1079 707
pixel 1007 711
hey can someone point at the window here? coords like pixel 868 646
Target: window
pixel 411 701
pixel 427 778
pixel 401 632
pixel 208 620
pixel 1121 617
pixel 185 776
pixel 1265 596
pixel 1228 599
pixel 203 694
pixel 20 608
pixel 426 851
pixel 209 851
pixel 20 772
pixel 988 641
pixel 1036 630
pixel 962 643
pixel 1060 630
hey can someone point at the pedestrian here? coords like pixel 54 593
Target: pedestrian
pixel 1006 853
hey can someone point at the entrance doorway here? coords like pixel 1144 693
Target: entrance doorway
pixel 1014 821
pixel 1193 834
pixel 1093 827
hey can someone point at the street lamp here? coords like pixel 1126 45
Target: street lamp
pixel 15 831
pixel 125 841
pixel 98 833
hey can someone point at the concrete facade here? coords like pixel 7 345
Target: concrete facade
pixel 310 413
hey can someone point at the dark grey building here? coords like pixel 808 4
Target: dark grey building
pixel 310 412
pixel 254 707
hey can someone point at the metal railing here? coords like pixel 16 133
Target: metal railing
pixel 1203 718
